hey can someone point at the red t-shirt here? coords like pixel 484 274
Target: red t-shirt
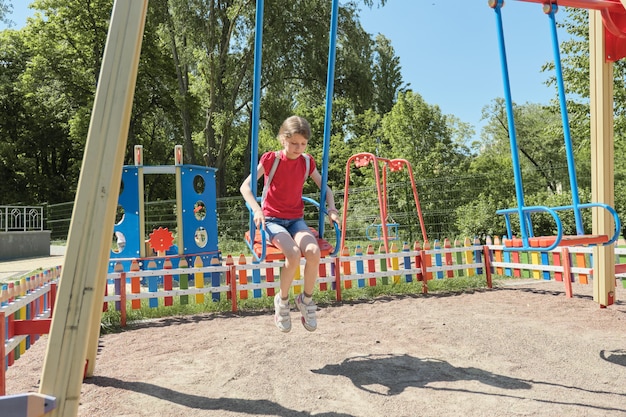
pixel 284 197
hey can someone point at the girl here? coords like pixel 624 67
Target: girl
pixel 281 214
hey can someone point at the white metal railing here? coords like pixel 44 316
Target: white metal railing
pixel 21 218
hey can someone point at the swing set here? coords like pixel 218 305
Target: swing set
pixel 527 239
pixel 387 230
pixel 260 248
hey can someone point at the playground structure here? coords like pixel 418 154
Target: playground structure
pixel 607 29
pixel 196 215
pixel 387 229
pixel 527 238
pixel 75 325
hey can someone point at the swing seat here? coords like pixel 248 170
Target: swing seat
pixel 391 227
pixel 272 253
pixel 264 250
pixel 566 240
pixel 551 242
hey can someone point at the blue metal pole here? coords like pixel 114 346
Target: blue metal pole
pixel 330 84
pixel 550 10
pixel 517 173
pixel 256 105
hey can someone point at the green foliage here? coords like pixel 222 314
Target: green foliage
pixel 194 87
pixel 478 218
pixel 5 9
pixel 544 224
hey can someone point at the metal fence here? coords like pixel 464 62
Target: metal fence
pixel 363 212
pixel 21 218
pixel 58 219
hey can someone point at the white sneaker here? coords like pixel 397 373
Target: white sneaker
pixel 282 319
pixel 308 311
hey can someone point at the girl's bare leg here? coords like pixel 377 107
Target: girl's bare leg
pixel 311 251
pixel 291 251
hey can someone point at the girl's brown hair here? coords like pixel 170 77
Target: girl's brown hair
pixel 294 125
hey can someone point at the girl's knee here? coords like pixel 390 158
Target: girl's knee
pixel 292 254
pixel 312 253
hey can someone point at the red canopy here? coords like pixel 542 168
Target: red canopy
pixel 613 16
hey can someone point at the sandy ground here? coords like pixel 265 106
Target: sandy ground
pixel 520 350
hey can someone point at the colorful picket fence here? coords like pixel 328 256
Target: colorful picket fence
pixel 363 267
pixel 25 310
pixel 237 279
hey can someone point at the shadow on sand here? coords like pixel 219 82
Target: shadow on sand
pixel 392 374
pixel 238 405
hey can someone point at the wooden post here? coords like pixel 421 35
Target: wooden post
pixel 269 273
pixel 243 277
pixel 567 271
pixel 168 283
pixel 347 267
pixel 448 256
pixel 76 322
pixel 198 279
pixel 602 165
pixel 371 265
pixel 135 285
pixel 360 270
pixel 183 280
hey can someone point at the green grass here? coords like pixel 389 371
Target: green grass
pixel 111 319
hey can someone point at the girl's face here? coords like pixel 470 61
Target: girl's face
pixel 294 146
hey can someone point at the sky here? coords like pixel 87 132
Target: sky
pixel 449 53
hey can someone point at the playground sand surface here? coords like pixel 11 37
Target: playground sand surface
pixel 523 349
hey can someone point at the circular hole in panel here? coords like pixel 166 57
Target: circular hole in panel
pixel 199 210
pixel 119 242
pixel 119 214
pixel 198 184
pixel 201 237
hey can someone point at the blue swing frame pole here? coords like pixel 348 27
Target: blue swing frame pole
pixel 517 173
pixel 550 10
pixel 330 84
pixel 256 106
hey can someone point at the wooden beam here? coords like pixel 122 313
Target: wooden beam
pixel 37 326
pixel 81 291
pixel 602 152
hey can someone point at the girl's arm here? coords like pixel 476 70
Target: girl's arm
pixel 246 192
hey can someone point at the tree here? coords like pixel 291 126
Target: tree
pixel 56 82
pixel 213 51
pixel 420 133
pixel 5 9
pixel 477 218
pixel 387 75
pixel 194 83
pixel 13 126
pixel 539 134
